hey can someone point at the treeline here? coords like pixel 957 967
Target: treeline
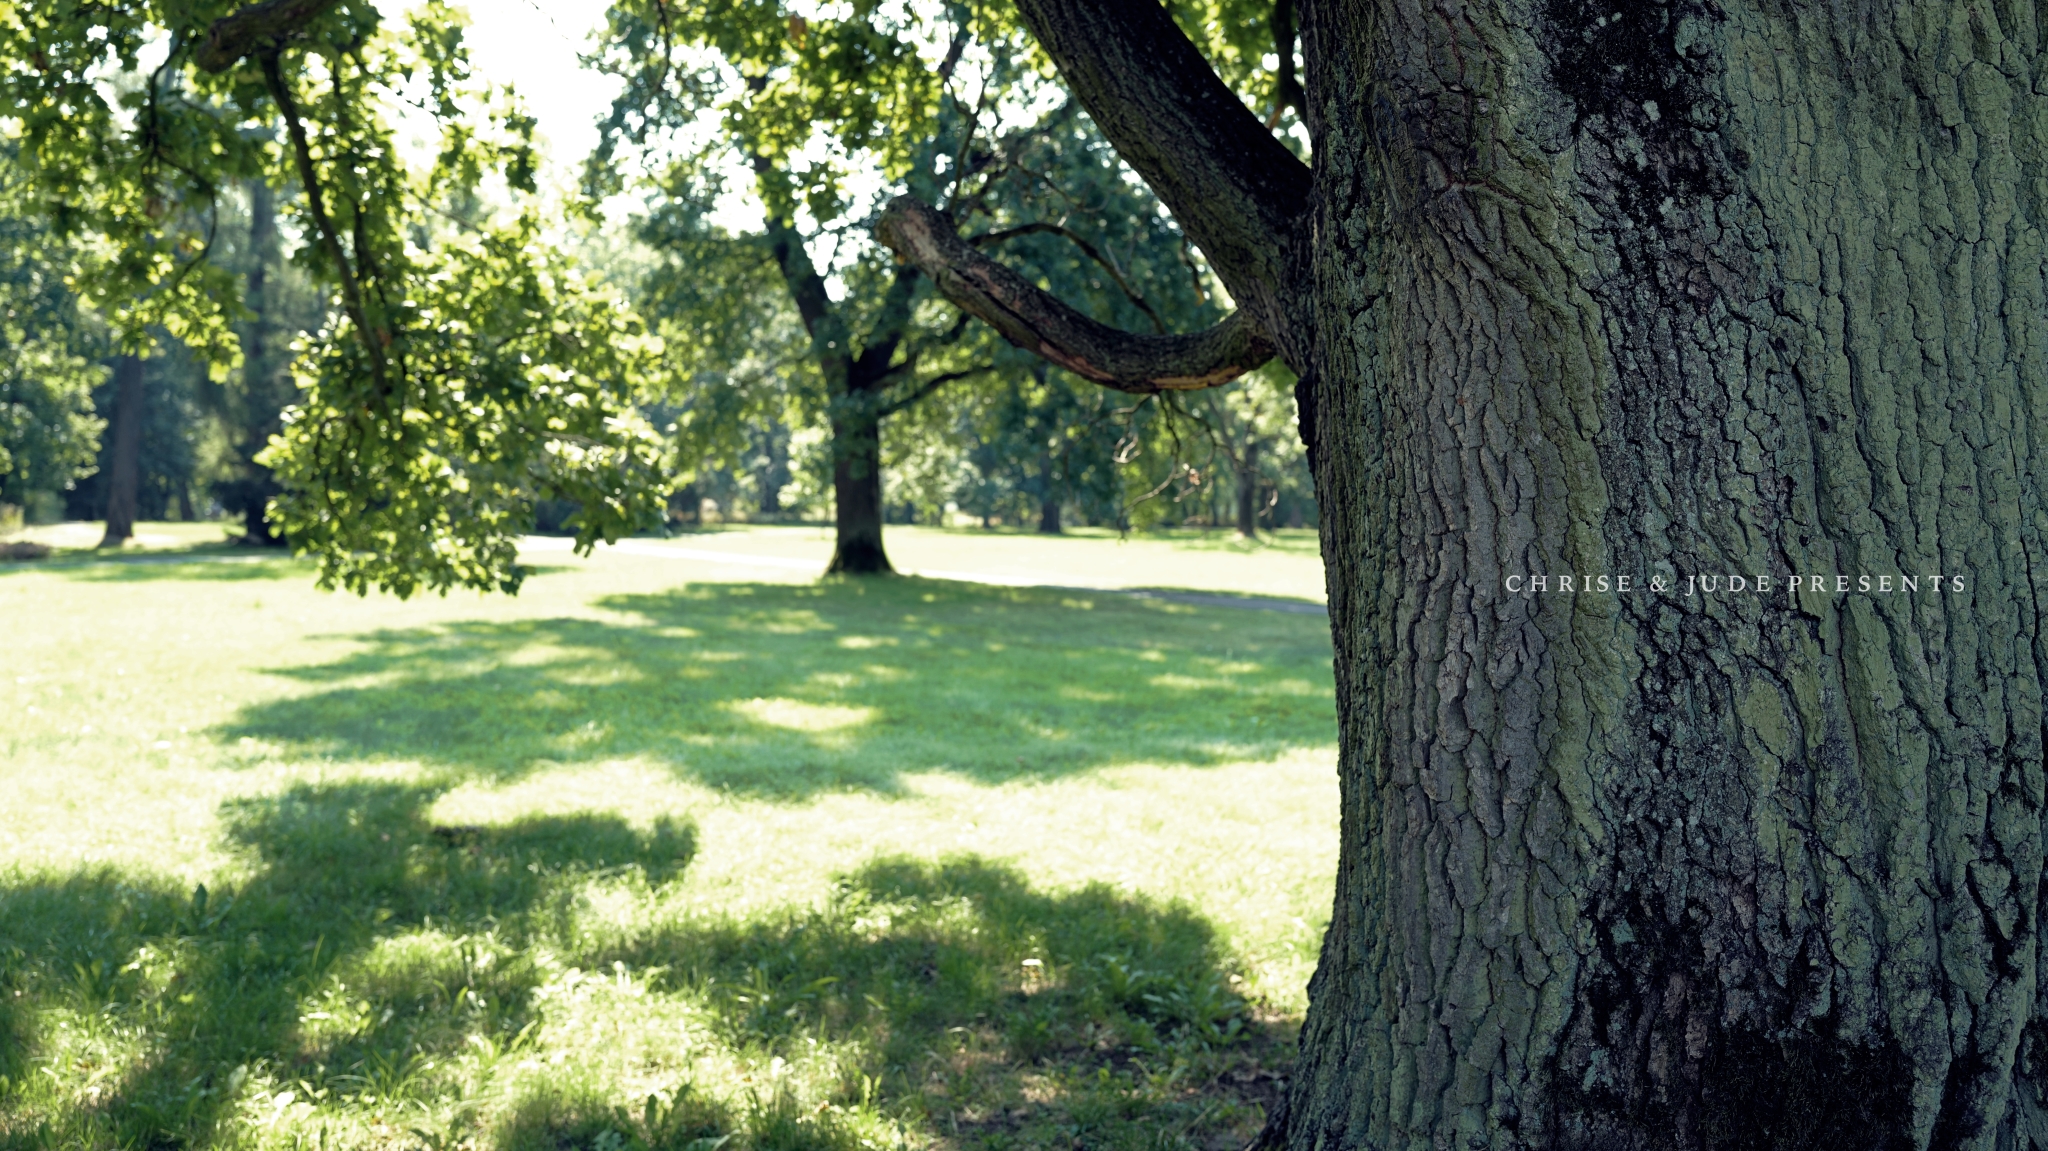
pixel 1027 446
pixel 229 293
pixel 90 432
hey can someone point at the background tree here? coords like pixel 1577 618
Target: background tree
pixel 281 304
pixel 812 112
pixel 465 371
pixel 49 433
pixel 1038 443
pixel 1671 292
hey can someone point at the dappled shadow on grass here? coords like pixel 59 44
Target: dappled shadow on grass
pixel 785 690
pixel 928 998
pixel 378 980
pixel 169 1000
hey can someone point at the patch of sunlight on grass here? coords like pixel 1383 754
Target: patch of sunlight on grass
pixel 634 862
pixel 796 715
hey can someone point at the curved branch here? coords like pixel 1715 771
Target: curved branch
pixel 1036 321
pixel 255 30
pixel 1231 186
pixel 374 338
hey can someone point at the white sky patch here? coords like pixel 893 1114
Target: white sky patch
pixel 532 45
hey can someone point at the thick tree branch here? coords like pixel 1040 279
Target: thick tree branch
pixel 1036 321
pixel 1234 188
pixel 255 31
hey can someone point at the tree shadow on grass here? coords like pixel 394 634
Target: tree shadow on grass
pixel 170 1000
pixel 381 980
pixel 956 998
pixel 786 690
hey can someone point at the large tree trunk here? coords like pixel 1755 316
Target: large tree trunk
pixel 1749 290
pixel 124 461
pixel 857 487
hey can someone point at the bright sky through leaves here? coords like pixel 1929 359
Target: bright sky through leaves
pixel 533 45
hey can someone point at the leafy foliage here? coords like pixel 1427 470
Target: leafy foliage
pixel 49 435
pixel 465 371
pixel 525 363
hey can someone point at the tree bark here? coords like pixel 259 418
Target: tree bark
pixel 124 462
pixel 1681 292
pixel 1248 491
pixel 857 488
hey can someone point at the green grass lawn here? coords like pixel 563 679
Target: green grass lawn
pixel 661 853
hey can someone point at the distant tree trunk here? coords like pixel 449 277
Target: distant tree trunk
pixel 186 511
pixel 124 462
pixel 1048 499
pixel 857 487
pixel 259 419
pixel 776 473
pixel 686 505
pixel 1248 492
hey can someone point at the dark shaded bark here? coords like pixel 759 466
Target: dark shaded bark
pixel 1287 90
pixel 1665 292
pixel 857 489
pixel 1678 293
pixel 124 462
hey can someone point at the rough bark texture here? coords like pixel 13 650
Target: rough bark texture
pixel 1675 291
pixel 124 462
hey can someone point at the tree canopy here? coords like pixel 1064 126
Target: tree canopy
pixel 466 370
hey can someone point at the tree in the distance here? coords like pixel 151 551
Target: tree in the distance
pixel 49 432
pixel 1742 302
pixel 465 370
pixel 809 112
